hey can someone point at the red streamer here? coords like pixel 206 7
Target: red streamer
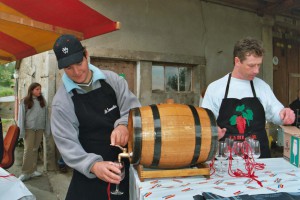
pixel 108 191
pixel 250 166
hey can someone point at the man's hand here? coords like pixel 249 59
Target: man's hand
pixel 221 132
pixel 287 115
pixel 107 171
pixel 119 135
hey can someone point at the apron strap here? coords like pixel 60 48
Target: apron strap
pixel 227 86
pixel 228 83
pixel 252 87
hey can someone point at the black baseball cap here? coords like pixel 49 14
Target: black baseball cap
pixel 68 50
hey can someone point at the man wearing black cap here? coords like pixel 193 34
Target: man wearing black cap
pixel 89 115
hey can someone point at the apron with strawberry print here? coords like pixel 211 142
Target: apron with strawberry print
pixel 244 117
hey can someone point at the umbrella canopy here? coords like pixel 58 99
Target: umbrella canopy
pixel 32 26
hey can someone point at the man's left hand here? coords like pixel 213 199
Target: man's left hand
pixel 119 135
pixel 287 115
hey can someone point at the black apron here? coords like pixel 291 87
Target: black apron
pixel 97 112
pixel 244 117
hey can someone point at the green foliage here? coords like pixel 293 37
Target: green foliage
pixel 172 82
pixel 6 74
pixel 6 91
pixel 6 79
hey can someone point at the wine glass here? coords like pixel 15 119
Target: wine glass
pixel 255 149
pixel 295 150
pixel 122 175
pixel 248 147
pixel 221 153
pixel 238 149
pixel 229 143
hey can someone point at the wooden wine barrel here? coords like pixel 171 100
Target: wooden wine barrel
pixel 170 136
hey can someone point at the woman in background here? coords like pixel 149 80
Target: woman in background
pixel 32 123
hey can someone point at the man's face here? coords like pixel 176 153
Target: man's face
pixel 78 72
pixel 248 68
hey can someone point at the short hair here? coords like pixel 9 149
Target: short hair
pixel 246 47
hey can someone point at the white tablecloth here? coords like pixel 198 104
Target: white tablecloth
pixel 277 176
pixel 11 188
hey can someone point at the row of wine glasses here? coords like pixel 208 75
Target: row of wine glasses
pixel 237 150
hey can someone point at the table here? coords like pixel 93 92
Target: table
pixel 277 176
pixel 12 188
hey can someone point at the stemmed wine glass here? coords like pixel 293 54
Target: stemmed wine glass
pixel 255 149
pixel 229 142
pixel 221 153
pixel 122 175
pixel 238 149
pixel 229 153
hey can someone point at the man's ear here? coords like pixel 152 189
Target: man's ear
pixel 236 60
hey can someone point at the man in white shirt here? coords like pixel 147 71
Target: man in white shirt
pixel 241 102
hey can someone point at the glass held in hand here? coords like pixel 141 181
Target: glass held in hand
pixel 122 175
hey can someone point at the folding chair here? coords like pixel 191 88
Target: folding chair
pixel 9 143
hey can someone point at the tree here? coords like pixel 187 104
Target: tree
pixel 6 74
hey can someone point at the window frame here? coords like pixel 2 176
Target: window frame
pixel 178 66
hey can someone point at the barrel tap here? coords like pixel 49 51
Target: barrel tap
pixel 124 154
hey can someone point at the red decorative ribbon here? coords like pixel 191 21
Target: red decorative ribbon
pixel 6 176
pixel 108 191
pixel 250 166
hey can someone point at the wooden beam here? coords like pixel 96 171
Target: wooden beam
pixel 281 7
pixel 8 59
pixel 38 25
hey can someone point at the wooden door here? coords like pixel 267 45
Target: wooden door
pixel 280 76
pixel 286 74
pixel 293 69
pixel 127 69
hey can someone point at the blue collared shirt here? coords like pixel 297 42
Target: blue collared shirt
pixel 70 85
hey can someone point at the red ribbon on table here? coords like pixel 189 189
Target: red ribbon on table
pixel 250 166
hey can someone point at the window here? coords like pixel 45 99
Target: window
pixel 171 78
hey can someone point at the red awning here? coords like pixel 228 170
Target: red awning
pixel 31 26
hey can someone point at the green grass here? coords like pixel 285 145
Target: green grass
pixel 6 91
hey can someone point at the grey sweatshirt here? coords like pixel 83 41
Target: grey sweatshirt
pixel 35 118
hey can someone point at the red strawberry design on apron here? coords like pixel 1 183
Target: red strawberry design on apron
pixel 240 120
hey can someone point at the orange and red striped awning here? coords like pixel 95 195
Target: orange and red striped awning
pixel 29 27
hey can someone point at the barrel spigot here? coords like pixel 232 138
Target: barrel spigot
pixel 124 153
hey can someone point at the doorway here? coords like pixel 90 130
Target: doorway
pixel 286 69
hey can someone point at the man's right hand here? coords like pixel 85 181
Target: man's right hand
pixel 107 171
pixel 221 132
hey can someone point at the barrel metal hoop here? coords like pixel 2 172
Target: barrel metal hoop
pixel 157 136
pixel 137 124
pixel 198 134
pixel 214 132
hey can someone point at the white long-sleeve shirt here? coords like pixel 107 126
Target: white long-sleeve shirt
pixel 239 89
